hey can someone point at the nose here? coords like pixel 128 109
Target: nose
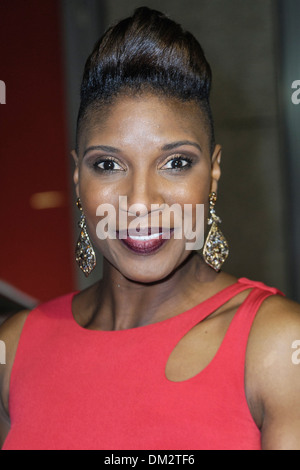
pixel 144 195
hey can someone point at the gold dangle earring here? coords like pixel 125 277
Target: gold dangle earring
pixel 84 251
pixel 216 249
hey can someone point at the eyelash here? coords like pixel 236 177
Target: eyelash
pixel 174 158
pixel 104 160
pixel 180 158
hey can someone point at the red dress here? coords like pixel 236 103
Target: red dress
pixel 73 388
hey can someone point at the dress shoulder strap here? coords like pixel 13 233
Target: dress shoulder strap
pixel 207 307
pixel 234 344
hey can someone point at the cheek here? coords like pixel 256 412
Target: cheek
pixel 94 192
pixel 194 189
pixel 197 193
pixel 93 195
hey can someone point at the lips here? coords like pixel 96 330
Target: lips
pixel 146 241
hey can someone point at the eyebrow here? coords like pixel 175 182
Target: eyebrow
pixel 174 145
pixel 105 148
pixel 171 146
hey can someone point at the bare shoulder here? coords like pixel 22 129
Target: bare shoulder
pixel 10 331
pixel 13 322
pixel 273 371
pixel 276 327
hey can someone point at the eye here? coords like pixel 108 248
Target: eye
pixel 179 162
pixel 107 164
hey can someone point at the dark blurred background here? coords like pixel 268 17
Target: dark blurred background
pixel 253 47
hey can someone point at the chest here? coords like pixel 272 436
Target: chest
pixel 117 391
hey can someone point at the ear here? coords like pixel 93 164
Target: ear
pixel 76 172
pixel 215 168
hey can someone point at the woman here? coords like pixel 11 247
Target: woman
pixel 153 356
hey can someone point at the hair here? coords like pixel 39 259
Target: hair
pixel 146 52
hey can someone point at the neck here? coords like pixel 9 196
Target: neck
pixel 122 303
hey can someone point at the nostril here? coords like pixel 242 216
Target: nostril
pixel 138 209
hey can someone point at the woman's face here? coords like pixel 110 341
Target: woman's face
pixel 155 153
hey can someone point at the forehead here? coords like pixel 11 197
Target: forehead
pixel 146 119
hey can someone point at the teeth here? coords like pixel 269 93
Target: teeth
pixel 145 238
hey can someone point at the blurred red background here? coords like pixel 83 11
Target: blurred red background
pixel 36 244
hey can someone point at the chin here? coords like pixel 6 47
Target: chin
pixel 146 277
pixel 152 272
pixel 148 269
